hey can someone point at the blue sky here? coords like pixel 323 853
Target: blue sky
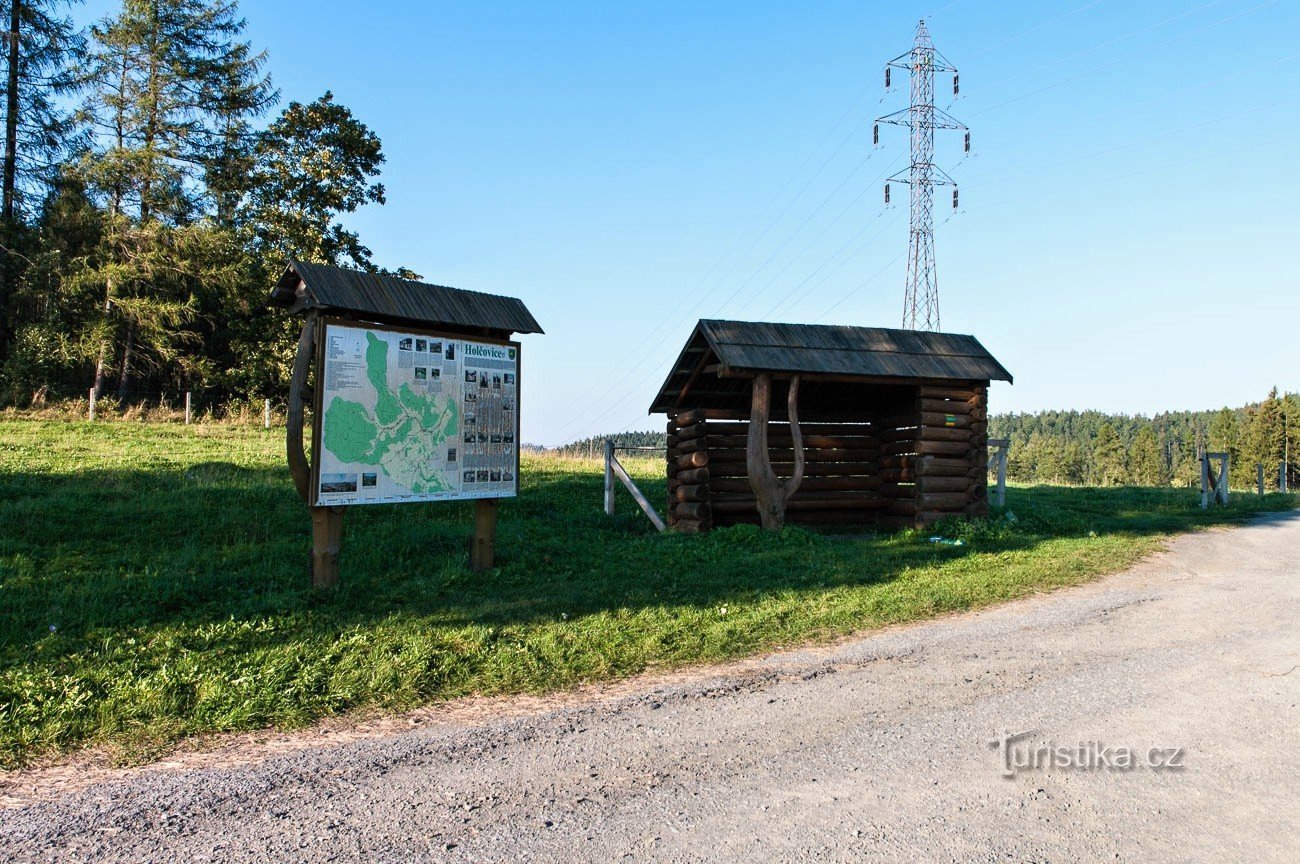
pixel 1128 232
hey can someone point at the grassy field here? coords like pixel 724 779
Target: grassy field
pixel 153 585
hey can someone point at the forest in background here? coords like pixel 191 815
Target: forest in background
pixel 1090 448
pixel 153 189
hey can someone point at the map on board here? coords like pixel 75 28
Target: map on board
pixel 415 417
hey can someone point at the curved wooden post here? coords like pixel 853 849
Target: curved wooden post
pixel 298 465
pixel 769 490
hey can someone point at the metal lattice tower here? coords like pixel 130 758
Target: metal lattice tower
pixel 921 302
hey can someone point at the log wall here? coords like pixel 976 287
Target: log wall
pixel 913 459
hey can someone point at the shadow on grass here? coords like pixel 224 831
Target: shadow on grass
pixel 101 554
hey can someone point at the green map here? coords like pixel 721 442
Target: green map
pixel 404 434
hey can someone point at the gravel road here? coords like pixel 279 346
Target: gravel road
pixel 875 749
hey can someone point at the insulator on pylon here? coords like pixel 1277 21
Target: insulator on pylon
pixel 886 77
pixel 875 134
pixel 886 194
pixel 967 142
pixel 954 197
pixel 955 87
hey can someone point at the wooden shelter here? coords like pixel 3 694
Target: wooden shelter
pixel 826 424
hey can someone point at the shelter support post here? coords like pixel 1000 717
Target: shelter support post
pixel 770 492
pixel 326 538
pixel 482 548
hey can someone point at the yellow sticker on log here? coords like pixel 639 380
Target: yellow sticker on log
pixel 949 420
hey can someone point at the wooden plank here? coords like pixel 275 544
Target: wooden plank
pixel 940 433
pixel 638 496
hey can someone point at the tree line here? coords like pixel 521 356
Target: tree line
pixel 152 193
pixel 1096 449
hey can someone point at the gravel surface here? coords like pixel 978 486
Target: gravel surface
pixel 875 749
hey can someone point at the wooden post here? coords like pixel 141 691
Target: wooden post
pixel 770 492
pixel 1000 457
pixel 326 538
pixel 187 408
pixel 92 403
pixel 1281 478
pixel 609 477
pixel 266 413
pixel 482 548
pixel 1224 472
pixel 1259 476
pixel 1205 482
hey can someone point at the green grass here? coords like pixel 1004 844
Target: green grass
pixel 154 584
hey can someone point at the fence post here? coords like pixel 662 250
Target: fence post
pixel 1205 482
pixel 609 476
pixel 92 404
pixel 187 407
pixel 266 413
pixel 1281 478
pixel 1259 476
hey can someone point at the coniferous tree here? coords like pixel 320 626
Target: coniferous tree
pixel 159 80
pixel 1108 468
pixel 40 50
pixel 1146 461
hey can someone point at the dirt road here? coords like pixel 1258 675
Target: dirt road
pixel 877 749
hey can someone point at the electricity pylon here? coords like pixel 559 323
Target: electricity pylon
pixel 921 302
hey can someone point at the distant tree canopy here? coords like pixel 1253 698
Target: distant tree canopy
pixel 143 224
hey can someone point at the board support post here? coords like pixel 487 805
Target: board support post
pixel 482 546
pixel 326 538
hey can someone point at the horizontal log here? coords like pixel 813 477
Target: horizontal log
pixel 927 448
pixel 719 427
pixel 940 467
pixel 720 486
pixel 946 484
pixel 785 469
pixel 694 445
pixel 946 420
pixel 940 433
pixel 903 506
pixel 689 418
pixel 963 393
pixel 815 501
pixel 783 439
pixel 695 492
pixel 685 433
pixel 945 501
pixel 866 518
pixel 692 475
pixel 697 510
pixel 690 526
pixel 786 454
pixel 898 475
pixel 943 406
pixel 895 490
pixel 693 460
